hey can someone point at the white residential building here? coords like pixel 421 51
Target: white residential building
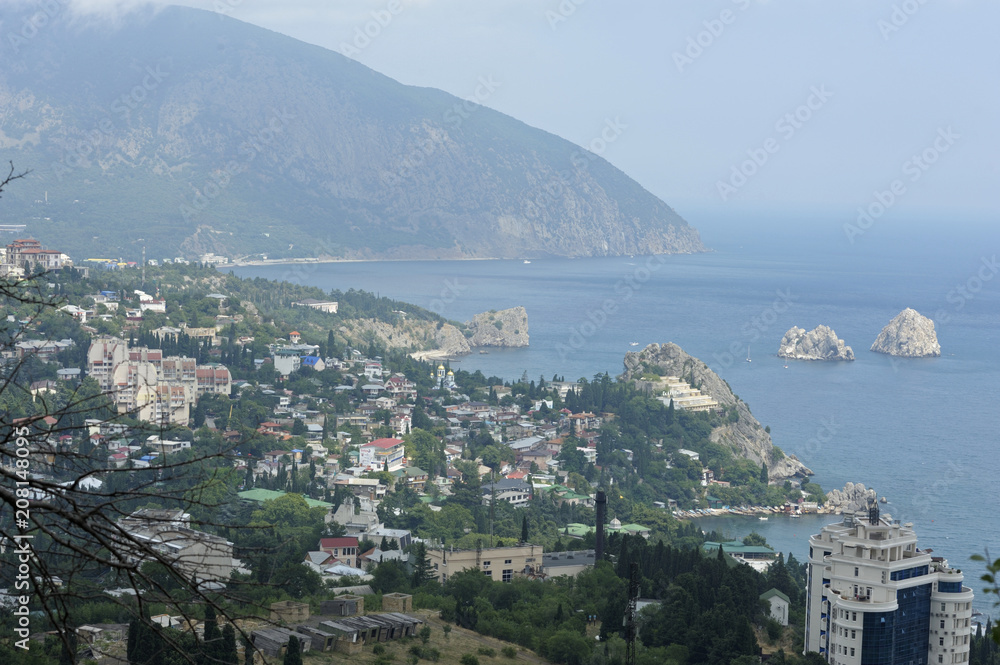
pixel 874 597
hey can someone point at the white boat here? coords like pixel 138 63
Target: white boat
pixel 762 518
pixel 633 343
pixel 748 353
pixel 795 515
pixel 527 261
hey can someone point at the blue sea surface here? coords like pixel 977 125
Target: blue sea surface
pixel 922 432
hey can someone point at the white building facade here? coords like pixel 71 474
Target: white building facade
pixel 875 598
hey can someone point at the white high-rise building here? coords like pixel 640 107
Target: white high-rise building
pixel 874 597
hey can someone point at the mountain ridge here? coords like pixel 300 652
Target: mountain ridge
pixel 248 143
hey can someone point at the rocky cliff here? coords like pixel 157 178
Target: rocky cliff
pixel 506 328
pixel 909 335
pixel 852 498
pixel 746 436
pixel 820 343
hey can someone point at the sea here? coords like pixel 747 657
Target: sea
pixel 922 432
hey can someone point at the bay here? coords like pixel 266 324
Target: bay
pixel 923 432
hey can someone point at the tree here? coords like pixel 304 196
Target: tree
pixel 524 529
pixel 422 571
pixel 763 473
pixel 70 503
pixel 292 653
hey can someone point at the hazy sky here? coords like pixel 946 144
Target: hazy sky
pixel 833 102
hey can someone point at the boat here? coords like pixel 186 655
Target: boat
pixel 633 343
pixel 483 351
pixel 762 518
pixel 795 515
pixel 748 353
pixel 527 261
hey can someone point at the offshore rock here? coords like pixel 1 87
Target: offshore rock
pixel 746 436
pixel 852 498
pixel 820 343
pixel 909 335
pixel 507 328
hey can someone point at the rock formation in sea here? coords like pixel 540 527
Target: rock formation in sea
pixel 505 328
pixel 746 436
pixel 852 498
pixel 909 335
pixel 820 343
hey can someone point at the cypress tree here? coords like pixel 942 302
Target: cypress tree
pixel 524 529
pixel 292 654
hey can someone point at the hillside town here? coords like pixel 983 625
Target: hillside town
pixel 374 474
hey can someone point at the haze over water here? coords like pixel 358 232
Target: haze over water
pixel 923 432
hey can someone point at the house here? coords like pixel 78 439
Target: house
pixel 779 605
pixel 343 549
pixel 514 491
pixel 382 454
pixel 328 306
pixel 500 564
pixel 313 362
pixel 401 536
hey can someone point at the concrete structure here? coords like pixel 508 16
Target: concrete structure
pixel 779 605
pixel 873 596
pixel 397 602
pixel 572 563
pixel 500 563
pixel 288 611
pixel 343 606
pixel 196 554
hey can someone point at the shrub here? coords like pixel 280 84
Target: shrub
pixel 469 659
pixel 509 651
pixel 378 649
pixel 487 651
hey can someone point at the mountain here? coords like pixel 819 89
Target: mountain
pixel 188 132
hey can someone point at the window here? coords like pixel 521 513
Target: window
pixel 940 641
pixel 855 571
pixel 854 616
pixel 854 636
pixel 508 574
pixel 507 561
pixel 942 624
pixel 852 651
pixel 942 607
pixel 486 564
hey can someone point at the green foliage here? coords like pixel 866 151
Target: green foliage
pixel 487 651
pixel 469 659
pixel 509 651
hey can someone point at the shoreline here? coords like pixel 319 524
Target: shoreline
pixel 748 511
pixel 313 260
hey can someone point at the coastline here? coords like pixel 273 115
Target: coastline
pixel 747 511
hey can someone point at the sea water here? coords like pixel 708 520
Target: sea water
pixel 922 432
